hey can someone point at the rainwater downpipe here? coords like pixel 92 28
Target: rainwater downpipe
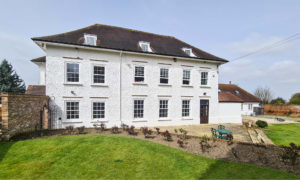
pixel 121 53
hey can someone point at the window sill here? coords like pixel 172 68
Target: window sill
pixel 142 84
pixel 205 86
pixel 189 86
pixel 139 120
pixel 73 84
pixel 72 121
pixel 99 121
pixel 169 85
pixel 164 120
pixel 99 85
pixel 186 118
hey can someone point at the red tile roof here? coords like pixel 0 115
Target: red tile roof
pixel 233 93
pixel 36 90
pixel 118 38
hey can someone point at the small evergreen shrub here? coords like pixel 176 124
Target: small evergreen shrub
pixel 261 124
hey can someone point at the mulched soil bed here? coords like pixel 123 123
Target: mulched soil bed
pixel 257 154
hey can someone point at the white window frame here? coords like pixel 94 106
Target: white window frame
pixel 66 72
pixel 189 79
pixel 92 110
pixel 168 108
pixel 250 106
pixel 161 77
pixel 105 70
pixel 133 109
pixel 185 49
pixel 189 108
pixel 66 114
pixel 139 82
pixel 143 43
pixel 207 78
pixel 86 36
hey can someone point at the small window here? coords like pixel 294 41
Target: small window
pixel 242 106
pixel 139 74
pixel 99 75
pixel 145 46
pixel 185 108
pixel 163 108
pixel 188 51
pixel 204 78
pixel 72 110
pixel 90 39
pixel 186 77
pixel 250 106
pixel 72 72
pixel 98 110
pixel 164 76
pixel 138 111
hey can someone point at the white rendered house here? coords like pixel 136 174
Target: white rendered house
pixel 235 102
pixel 112 75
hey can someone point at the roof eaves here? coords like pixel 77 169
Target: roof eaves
pixel 84 45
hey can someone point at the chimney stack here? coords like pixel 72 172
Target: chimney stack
pixel 229 82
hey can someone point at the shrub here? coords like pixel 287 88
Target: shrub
pixel 81 130
pixel 131 131
pixel 167 135
pixel 204 145
pixel 70 129
pixel 230 139
pixel 147 132
pixel 182 133
pixel 181 143
pixel 261 124
pixel 290 153
pixel 102 127
pixel 157 131
pixel 124 126
pixel 115 130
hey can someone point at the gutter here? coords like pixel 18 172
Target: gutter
pixel 129 51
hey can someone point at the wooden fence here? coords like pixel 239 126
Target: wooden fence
pixel 282 110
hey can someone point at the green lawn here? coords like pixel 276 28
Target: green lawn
pixel 284 134
pixel 113 157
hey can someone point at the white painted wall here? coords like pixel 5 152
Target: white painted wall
pixel 42 67
pixel 151 91
pixel 248 111
pixel 230 112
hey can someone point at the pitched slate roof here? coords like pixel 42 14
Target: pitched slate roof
pixel 233 93
pixel 118 38
pixel 40 59
pixel 36 90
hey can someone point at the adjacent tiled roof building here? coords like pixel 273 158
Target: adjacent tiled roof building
pixel 117 38
pixel 233 93
pixel 36 90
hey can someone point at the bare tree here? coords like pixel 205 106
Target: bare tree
pixel 265 94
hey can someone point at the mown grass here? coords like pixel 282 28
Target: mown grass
pixel 113 157
pixel 284 134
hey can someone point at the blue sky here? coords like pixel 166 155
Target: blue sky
pixel 228 29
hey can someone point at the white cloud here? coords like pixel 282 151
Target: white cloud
pixel 256 41
pixel 278 69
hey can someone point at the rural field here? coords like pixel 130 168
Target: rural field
pixel 115 157
pixel 284 134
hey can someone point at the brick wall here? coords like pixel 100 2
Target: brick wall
pixel 22 112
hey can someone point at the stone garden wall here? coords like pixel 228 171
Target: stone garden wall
pixel 23 113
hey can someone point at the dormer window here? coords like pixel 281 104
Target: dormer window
pixel 145 46
pixel 90 39
pixel 188 51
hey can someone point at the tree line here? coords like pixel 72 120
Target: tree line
pixel 267 97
